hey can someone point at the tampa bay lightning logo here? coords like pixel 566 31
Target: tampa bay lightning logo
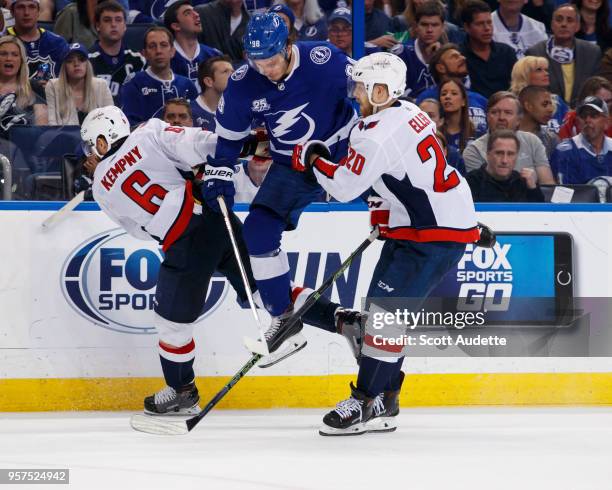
pixel 110 279
pixel 158 8
pixel 293 126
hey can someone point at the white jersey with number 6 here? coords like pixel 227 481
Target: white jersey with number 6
pixel 140 187
pixel 396 153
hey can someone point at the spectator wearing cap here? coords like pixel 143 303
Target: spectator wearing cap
pixel 489 62
pixel 598 86
pixel 570 61
pixel 184 22
pixel 448 62
pixel 76 92
pixel 145 94
pixel 504 112
pixel 45 50
pixel 111 59
pixel 340 31
pixel 310 22
pixel 75 23
pixel 286 14
pixel 515 29
pixel 417 53
pixel 213 76
pixel 497 180
pixel 224 24
pixel 588 154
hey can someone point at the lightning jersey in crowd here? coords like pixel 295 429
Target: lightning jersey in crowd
pixel 140 186
pixel 202 116
pixel 397 154
pixel 529 32
pixel 115 70
pixel 45 55
pixel 144 95
pixel 310 103
pixel 575 161
pixel 556 121
pixel 181 64
pixel 418 77
pixel 477 106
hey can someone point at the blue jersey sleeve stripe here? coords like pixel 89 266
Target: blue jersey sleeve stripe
pixel 228 134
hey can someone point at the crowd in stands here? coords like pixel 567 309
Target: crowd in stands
pixel 520 90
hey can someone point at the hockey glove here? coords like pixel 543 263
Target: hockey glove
pixel 218 181
pixel 487 236
pixel 379 214
pixel 256 145
pixel 302 154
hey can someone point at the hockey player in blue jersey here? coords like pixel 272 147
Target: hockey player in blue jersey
pixel 299 91
pixel 182 20
pixel 146 93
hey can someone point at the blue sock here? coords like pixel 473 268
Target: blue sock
pixel 275 293
pixel 177 374
pixel 375 375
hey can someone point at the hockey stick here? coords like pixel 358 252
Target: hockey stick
pixel 63 212
pixel 163 426
pixel 245 280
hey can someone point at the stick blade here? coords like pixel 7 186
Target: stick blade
pixel 256 346
pixel 158 425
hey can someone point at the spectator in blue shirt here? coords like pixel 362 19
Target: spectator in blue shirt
pixel 212 76
pixel 310 22
pixel 146 93
pixel 45 50
pixel 588 154
pixel 182 20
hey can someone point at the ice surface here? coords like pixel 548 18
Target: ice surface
pixel 434 448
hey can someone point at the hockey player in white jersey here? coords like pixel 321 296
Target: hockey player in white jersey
pixel 144 184
pixel 422 206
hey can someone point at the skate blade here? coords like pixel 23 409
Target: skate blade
pixel 288 348
pixel 355 430
pixel 256 346
pixel 183 412
pixel 162 426
pixel 381 424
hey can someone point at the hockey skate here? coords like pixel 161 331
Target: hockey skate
pixel 169 401
pixel 282 341
pixel 385 410
pixel 349 417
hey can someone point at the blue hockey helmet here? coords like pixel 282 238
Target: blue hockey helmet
pixel 266 36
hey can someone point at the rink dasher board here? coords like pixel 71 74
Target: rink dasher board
pixel 49 346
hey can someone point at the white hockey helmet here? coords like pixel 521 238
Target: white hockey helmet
pixel 384 68
pixel 108 122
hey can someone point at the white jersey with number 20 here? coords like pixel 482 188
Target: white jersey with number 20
pixel 396 153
